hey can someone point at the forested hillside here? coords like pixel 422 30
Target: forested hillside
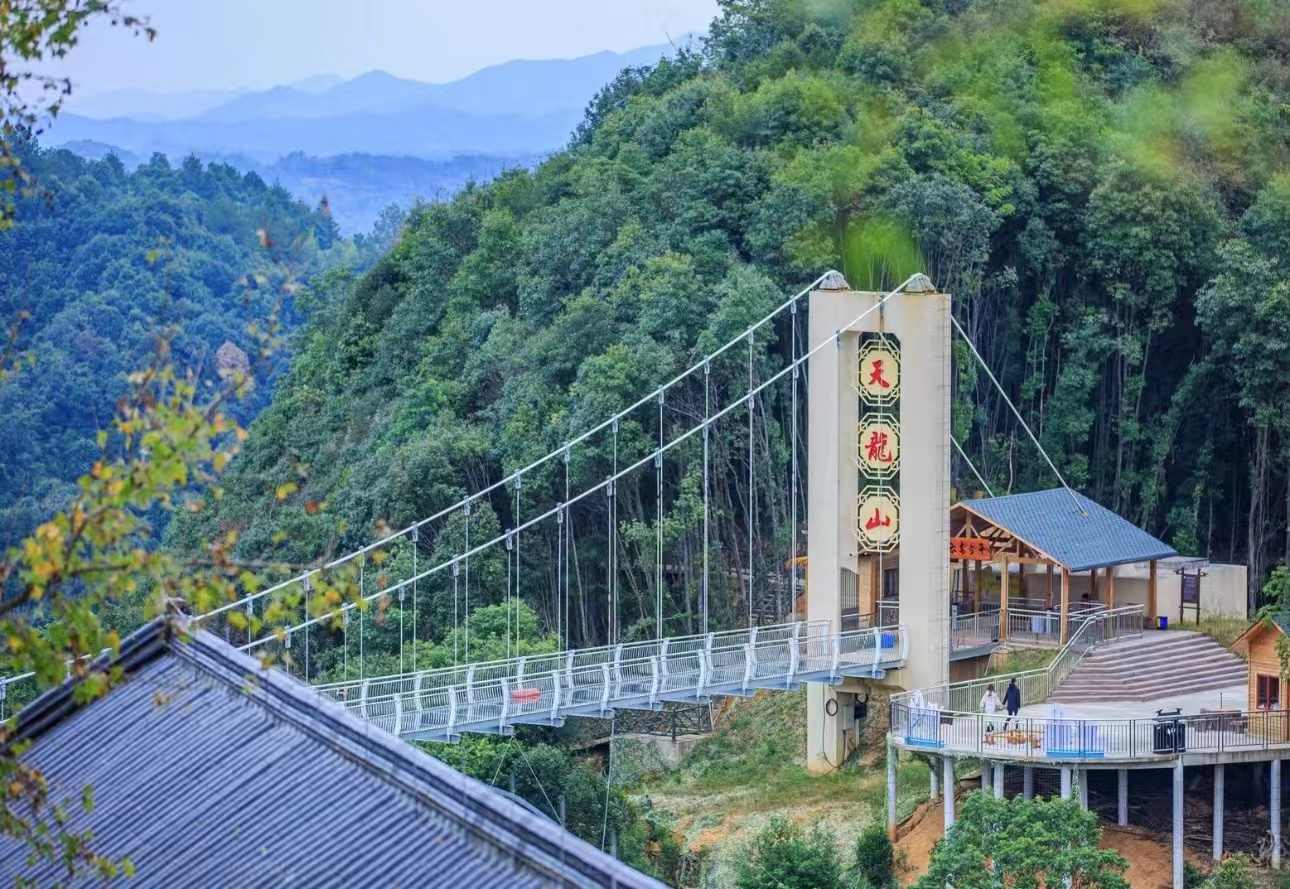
pixel 1101 184
pixel 104 265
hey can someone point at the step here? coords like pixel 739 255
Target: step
pixel 1200 681
pixel 1178 672
pixel 1163 665
pixel 1157 656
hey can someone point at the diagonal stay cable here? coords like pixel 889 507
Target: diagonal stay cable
pixel 968 460
pixel 558 452
pixel 1020 419
pixel 600 486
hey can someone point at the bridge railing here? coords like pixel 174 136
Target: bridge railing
pixel 1091 630
pixel 1058 737
pixel 974 630
pixel 518 668
pixel 788 655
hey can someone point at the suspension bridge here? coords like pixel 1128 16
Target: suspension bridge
pixel 707 472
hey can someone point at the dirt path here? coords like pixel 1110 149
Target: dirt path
pixel 1150 858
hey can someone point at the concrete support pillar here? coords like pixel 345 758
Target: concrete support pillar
pixel 1179 790
pixel 948 768
pixel 891 792
pixel 1083 789
pixel 935 789
pixel 1003 599
pixel 1028 782
pixel 1122 799
pixel 987 774
pixel 1218 812
pixel 1275 806
pixel 998 780
pixel 1066 782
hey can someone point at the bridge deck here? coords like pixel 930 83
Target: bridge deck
pixel 439 705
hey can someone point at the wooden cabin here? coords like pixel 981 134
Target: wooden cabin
pixel 1258 645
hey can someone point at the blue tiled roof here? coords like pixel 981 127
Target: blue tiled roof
pixel 1052 521
pixel 209 771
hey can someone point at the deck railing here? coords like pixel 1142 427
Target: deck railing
pixel 441 704
pixel 1088 632
pixel 1057 737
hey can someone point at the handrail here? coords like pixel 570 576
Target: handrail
pixel 1061 738
pixel 1035 684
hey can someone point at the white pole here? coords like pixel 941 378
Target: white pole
pixel 1218 812
pixel 1028 782
pixel 1122 809
pixel 1066 782
pixel 998 780
pixel 948 769
pixel 891 791
pixel 1178 824
pixel 1276 814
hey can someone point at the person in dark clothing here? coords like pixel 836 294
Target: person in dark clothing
pixel 1011 702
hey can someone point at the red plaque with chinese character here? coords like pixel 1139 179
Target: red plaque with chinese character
pixel 972 548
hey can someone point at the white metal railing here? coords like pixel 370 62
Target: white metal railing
pixel 1057 737
pixel 1034 626
pixel 441 704
pixel 974 630
pixel 1036 685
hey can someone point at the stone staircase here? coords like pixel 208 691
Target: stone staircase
pixel 1153 666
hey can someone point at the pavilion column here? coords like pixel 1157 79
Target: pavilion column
pixel 1153 614
pixel 1003 599
pixel 1092 586
pixel 1066 605
pixel 1050 585
pixel 1110 588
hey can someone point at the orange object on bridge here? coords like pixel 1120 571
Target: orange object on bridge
pixel 525 695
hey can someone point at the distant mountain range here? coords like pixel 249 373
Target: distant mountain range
pixel 519 107
pixel 366 142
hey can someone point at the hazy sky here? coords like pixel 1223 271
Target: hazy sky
pixel 203 44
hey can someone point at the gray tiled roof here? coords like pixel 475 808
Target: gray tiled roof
pixel 208 771
pixel 1052 522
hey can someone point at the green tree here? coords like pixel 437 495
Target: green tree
pixel 1040 843
pixel 875 858
pixel 1232 872
pixel 784 856
pixel 32 34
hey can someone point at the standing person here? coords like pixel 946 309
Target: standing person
pixel 1011 702
pixel 989 706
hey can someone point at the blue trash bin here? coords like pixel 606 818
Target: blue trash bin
pixel 1164 622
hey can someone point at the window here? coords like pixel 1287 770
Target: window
pixel 1268 692
pixel 891 583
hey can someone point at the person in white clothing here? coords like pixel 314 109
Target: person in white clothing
pixel 989 706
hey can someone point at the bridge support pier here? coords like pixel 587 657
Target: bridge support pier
pixel 1179 790
pixel 1028 782
pixel 917 321
pixel 998 780
pixel 891 791
pixel 987 774
pixel 1275 807
pixel 1083 789
pixel 1218 811
pixel 1122 798
pixel 935 789
pixel 948 768
pixel 1066 782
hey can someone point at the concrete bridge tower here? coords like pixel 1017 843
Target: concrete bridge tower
pixel 878 420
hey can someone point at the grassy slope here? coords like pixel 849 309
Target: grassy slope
pixel 752 767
